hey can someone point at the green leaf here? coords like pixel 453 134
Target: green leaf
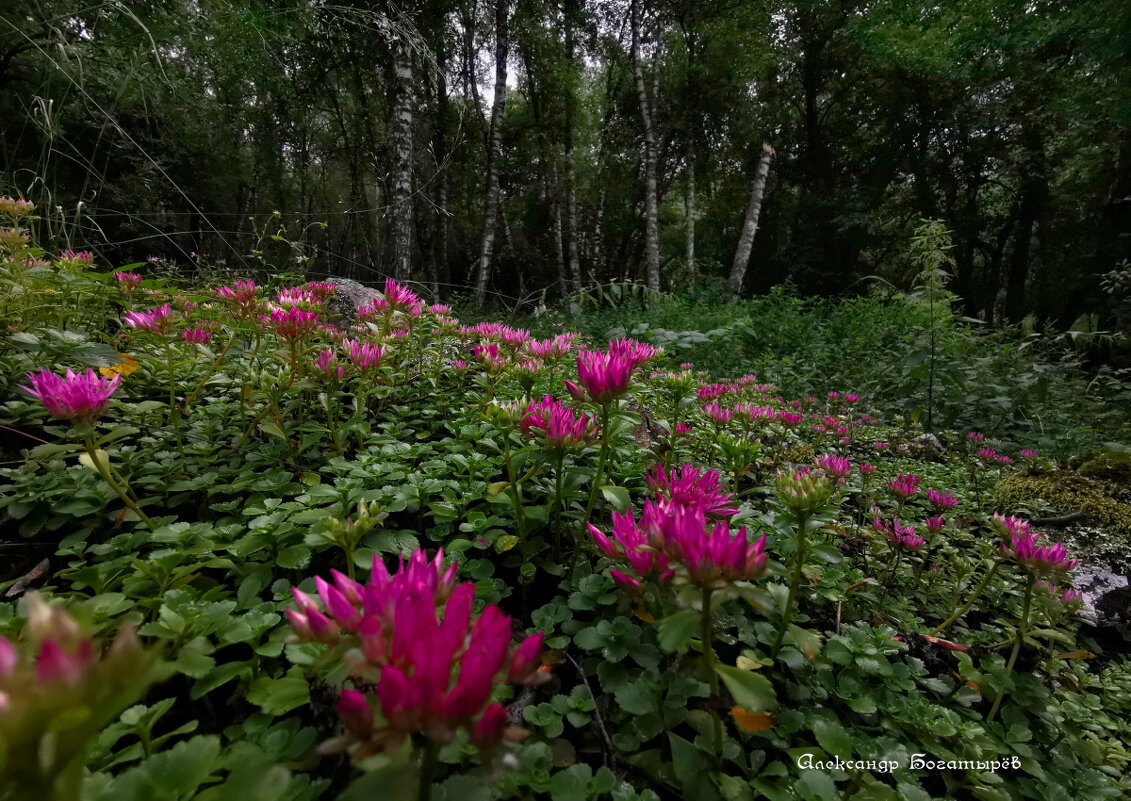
pixel 675 631
pixel 751 691
pixel 279 696
pixel 294 557
pixel 273 430
pixel 505 543
pixel 833 738
pixel 617 496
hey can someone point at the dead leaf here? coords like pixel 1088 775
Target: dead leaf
pixel 752 721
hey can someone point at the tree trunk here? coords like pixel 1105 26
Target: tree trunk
pixel 651 161
pixel 690 204
pixel 750 225
pixel 442 271
pixel 494 153
pixel 570 173
pixel 401 135
pixel 1033 192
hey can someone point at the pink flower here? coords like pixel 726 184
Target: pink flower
pixel 401 298
pixel 976 436
pixel 1003 459
pixel 632 545
pixel 156 321
pixel 711 555
pixel 242 298
pixel 195 336
pixel 322 291
pixel 435 663
pixel 692 487
pixel 718 414
pixel 711 392
pixel 80 398
pixel 1030 454
pixel 561 427
pixel 364 355
pixel 837 467
pixel 880 446
pixel 9 658
pixel 989 454
pixel 1021 545
pixel 834 395
pixel 128 281
pixel 899 535
pixel 935 523
pixel 636 352
pixel 328 364
pixel 605 376
pixel 297 296
pixel 941 500
pixel 789 419
pixel 489 356
pixel 54 663
pixel 867 469
pixel 904 485
pixel 291 324
pixel 1072 597
pixel 851 398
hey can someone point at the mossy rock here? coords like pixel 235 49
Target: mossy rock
pixel 1108 465
pixel 1064 491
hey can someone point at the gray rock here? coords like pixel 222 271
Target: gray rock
pixel 926 445
pixel 1107 595
pixel 342 305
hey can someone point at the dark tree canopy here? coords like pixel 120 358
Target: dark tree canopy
pixel 177 129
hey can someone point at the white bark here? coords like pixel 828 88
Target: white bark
pixel 494 153
pixel 401 135
pixel 651 161
pixel 750 225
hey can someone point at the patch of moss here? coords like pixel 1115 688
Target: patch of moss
pixel 1108 465
pixel 1066 491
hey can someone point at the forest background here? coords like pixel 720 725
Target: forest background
pixel 518 150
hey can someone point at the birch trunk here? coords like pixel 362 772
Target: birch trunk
pixel 401 135
pixel 651 161
pixel 494 153
pixel 750 225
pixel 570 174
pixel 690 203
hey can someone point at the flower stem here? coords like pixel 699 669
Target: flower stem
pixel 92 449
pixel 970 602
pixel 516 497
pixel 428 761
pixel 556 516
pixel 794 583
pixel 1022 630
pixel 709 662
pixel 596 478
pixel 897 557
pixel 600 461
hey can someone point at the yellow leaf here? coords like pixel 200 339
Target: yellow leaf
pixel 103 458
pixel 746 663
pixel 643 614
pixel 127 365
pixel 752 721
pixel 1078 655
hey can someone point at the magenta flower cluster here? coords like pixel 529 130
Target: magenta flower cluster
pixel 674 532
pixel 434 662
pixel 78 397
pixel 1022 546
pixel 559 425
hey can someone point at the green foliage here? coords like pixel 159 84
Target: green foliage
pixel 262 472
